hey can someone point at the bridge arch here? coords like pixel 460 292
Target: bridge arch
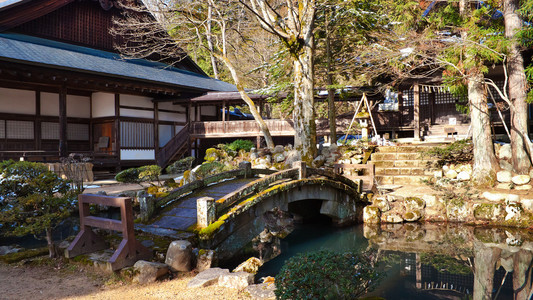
pixel 240 224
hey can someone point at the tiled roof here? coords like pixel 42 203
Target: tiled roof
pixel 42 52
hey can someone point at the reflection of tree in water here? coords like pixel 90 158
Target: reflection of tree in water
pixel 478 262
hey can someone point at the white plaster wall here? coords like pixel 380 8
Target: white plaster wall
pixel 170 106
pixel 138 101
pixel 17 101
pixel 78 106
pixel 49 104
pixel 137 154
pixel 208 110
pixel 172 117
pixel 103 105
pixel 165 134
pixel 126 112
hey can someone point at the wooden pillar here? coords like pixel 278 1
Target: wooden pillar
pixel 117 128
pixel 37 123
pixel 63 149
pixel 224 115
pixel 432 107
pixel 189 128
pixel 400 109
pixel 156 128
pixel 416 111
pixel 258 142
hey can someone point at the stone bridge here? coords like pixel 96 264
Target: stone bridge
pixel 229 215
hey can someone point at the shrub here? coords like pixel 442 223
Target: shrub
pixel 181 165
pixel 457 152
pixel 128 176
pixel 326 275
pixel 34 200
pixel 211 168
pixel 245 145
pixel 150 173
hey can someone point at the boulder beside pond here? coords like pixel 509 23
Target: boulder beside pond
pixel 179 256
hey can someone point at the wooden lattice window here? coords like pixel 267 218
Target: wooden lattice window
pixel 50 131
pixel 19 130
pixel 2 129
pixel 77 132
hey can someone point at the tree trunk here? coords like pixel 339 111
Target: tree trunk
pixel 484 267
pixel 253 109
pixel 483 172
pixel 304 103
pixel 51 247
pixel 517 91
pixel 332 114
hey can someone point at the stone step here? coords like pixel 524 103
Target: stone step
pixel 402 163
pixel 403 149
pixel 403 171
pixel 395 156
pixel 401 179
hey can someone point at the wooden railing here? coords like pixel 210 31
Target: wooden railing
pixel 251 128
pixel 173 147
pixel 128 252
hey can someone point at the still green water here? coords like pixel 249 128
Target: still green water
pixel 434 261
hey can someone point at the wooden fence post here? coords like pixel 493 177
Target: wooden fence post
pixel 302 169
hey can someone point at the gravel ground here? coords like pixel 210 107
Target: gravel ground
pixel 64 282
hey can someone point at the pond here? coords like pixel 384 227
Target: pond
pixel 432 261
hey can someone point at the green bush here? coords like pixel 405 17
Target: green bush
pixel 245 145
pixel 326 275
pixel 149 173
pixel 33 200
pixel 181 165
pixel 461 151
pixel 128 176
pixel 211 168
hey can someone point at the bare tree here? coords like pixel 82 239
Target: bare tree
pixel 293 23
pixel 186 24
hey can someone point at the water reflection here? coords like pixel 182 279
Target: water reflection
pixel 433 261
pixel 457 262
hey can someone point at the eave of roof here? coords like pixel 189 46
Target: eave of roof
pixel 56 55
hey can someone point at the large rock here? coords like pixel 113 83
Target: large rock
pixel 148 272
pixel 514 212
pixel 505 165
pixel 251 265
pixel 412 215
pixel 463 176
pixel 391 218
pixel 238 280
pixel 414 203
pixel 262 291
pixel 207 277
pixel 451 174
pixel 527 204
pixel 278 149
pixel 521 179
pixel 505 152
pixel 494 197
pixel 205 259
pixel 525 187
pixel 382 204
pixel 488 211
pixel 179 256
pixel 371 214
pixel 504 176
pixel 279 157
pixel 430 200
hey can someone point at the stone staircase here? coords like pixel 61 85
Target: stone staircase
pixel 401 165
pixel 438 133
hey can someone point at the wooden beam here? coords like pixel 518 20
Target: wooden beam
pixel 37 123
pixel 156 128
pixel 117 128
pixel 63 148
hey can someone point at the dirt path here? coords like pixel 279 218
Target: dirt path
pixel 68 282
